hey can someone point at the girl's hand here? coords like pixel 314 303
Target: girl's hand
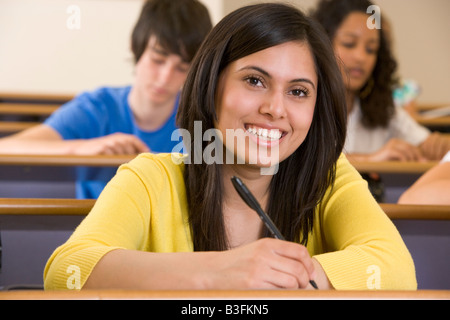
pixel 264 264
pixel 435 146
pixel 397 149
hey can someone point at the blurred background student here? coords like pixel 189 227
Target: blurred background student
pixel 377 131
pixel 131 119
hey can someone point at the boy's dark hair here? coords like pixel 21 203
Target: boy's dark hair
pixel 178 25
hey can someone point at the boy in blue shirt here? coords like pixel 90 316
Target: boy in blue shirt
pixel 126 120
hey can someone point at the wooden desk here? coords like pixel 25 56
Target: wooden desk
pixel 35 97
pixel 46 207
pixel 396 175
pixel 427 107
pixel 20 111
pixel 416 212
pixel 392 167
pixel 225 295
pixel 420 115
pixel 44 176
pixel 35 227
pixel 28 109
pixel 78 207
pixel 434 122
pixel 25 175
pixel 64 160
pixel 66 214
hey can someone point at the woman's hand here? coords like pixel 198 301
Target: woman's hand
pixel 397 150
pixel 264 264
pixel 435 146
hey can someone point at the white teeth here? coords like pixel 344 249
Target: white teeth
pixel 265 133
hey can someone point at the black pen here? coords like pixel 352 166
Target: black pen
pixel 251 201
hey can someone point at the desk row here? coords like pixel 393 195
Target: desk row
pixel 45 176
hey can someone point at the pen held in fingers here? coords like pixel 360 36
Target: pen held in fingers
pixel 251 201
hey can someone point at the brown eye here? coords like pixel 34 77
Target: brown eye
pixel 254 81
pixel 299 92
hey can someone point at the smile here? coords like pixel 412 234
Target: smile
pixel 266 134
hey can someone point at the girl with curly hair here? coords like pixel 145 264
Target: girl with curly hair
pixel 377 131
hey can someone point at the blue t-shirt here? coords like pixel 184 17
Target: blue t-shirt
pixel 100 113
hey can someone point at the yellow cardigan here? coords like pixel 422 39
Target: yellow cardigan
pixel 144 208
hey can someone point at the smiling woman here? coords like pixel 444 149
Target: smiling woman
pixel 268 72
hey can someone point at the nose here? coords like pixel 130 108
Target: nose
pixel 166 73
pixel 274 106
pixel 360 53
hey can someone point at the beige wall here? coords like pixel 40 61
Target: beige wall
pixel 421 35
pixel 39 53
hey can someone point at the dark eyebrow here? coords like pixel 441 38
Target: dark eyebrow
pixel 256 69
pixel 265 73
pixel 304 80
pixel 355 36
pixel 159 50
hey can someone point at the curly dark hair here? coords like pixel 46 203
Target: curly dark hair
pixel 377 104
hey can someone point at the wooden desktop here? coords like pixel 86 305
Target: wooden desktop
pixel 225 295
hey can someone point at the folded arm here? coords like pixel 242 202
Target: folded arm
pixel 44 140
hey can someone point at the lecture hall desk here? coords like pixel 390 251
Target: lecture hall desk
pixel 43 176
pixel 53 177
pixel 47 176
pixel 20 111
pixel 228 295
pixel 32 228
pixel 440 123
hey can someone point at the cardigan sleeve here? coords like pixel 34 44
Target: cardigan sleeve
pixel 142 208
pixel 360 248
pixel 118 220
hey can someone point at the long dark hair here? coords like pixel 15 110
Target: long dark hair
pixel 377 103
pixel 302 178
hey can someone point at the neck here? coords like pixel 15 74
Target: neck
pixel 257 184
pixel 149 116
pixel 242 224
